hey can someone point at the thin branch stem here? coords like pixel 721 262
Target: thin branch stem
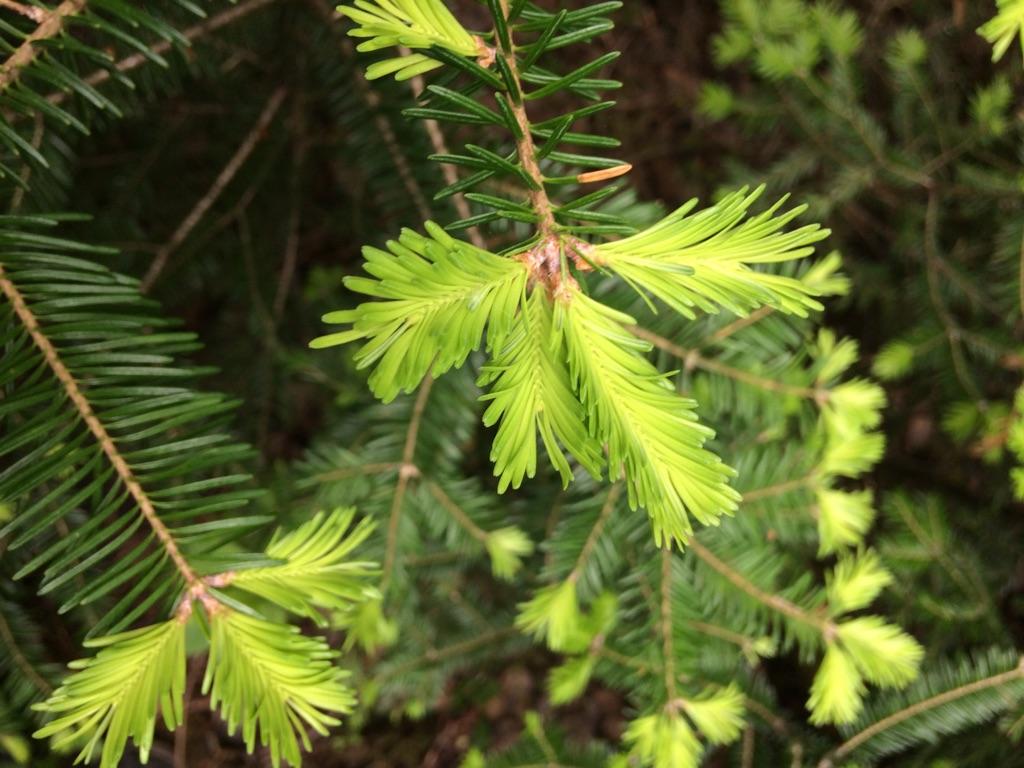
pixel 95 426
pixel 191 34
pixel 595 533
pixel 773 601
pixel 407 471
pixel 691 358
pixel 779 489
pixel 380 121
pixel 668 649
pixel 51 25
pixel 224 178
pixel 524 145
pixel 35 13
pixel 360 470
pixel 451 175
pixel 433 656
pixel 457 513
pixel 952 329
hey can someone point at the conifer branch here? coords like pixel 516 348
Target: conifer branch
pixel 994 681
pixel 780 489
pixel 665 625
pixel 458 514
pixel 380 121
pixel 193 33
pixel 51 25
pixel 29 11
pixel 99 431
pixel 451 176
pixel 712 630
pixel 436 655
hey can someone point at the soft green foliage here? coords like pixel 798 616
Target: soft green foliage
pixel 114 696
pixel 1005 28
pixel 856 582
pixel 531 394
pixel 838 689
pixel 706 261
pixel 417 24
pixel 315 572
pixel 651 432
pixel 663 740
pixel 440 295
pixel 273 684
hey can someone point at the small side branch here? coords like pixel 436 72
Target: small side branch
pixel 691 358
pixel 405 474
pixel 773 601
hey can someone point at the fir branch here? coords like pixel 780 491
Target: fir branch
pixel 451 175
pixel 917 708
pixel 437 655
pixel 457 513
pixel 525 147
pixel 103 438
pixel 37 14
pixel 51 25
pixel 614 492
pixel 191 34
pixel 20 660
pixel 666 627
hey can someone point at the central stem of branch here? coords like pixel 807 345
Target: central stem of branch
pixel 524 146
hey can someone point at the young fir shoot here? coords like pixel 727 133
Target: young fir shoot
pixel 565 371
pixel 568 374
pixel 1007 26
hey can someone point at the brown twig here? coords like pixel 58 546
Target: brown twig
pixel 773 601
pixel 50 25
pixel 405 474
pixel 20 660
pixel 691 358
pixel 220 183
pixel 38 15
pixel 525 147
pixel 668 648
pixel 595 533
pixel 26 172
pixel 384 129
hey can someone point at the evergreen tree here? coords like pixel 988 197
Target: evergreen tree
pixel 548 364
